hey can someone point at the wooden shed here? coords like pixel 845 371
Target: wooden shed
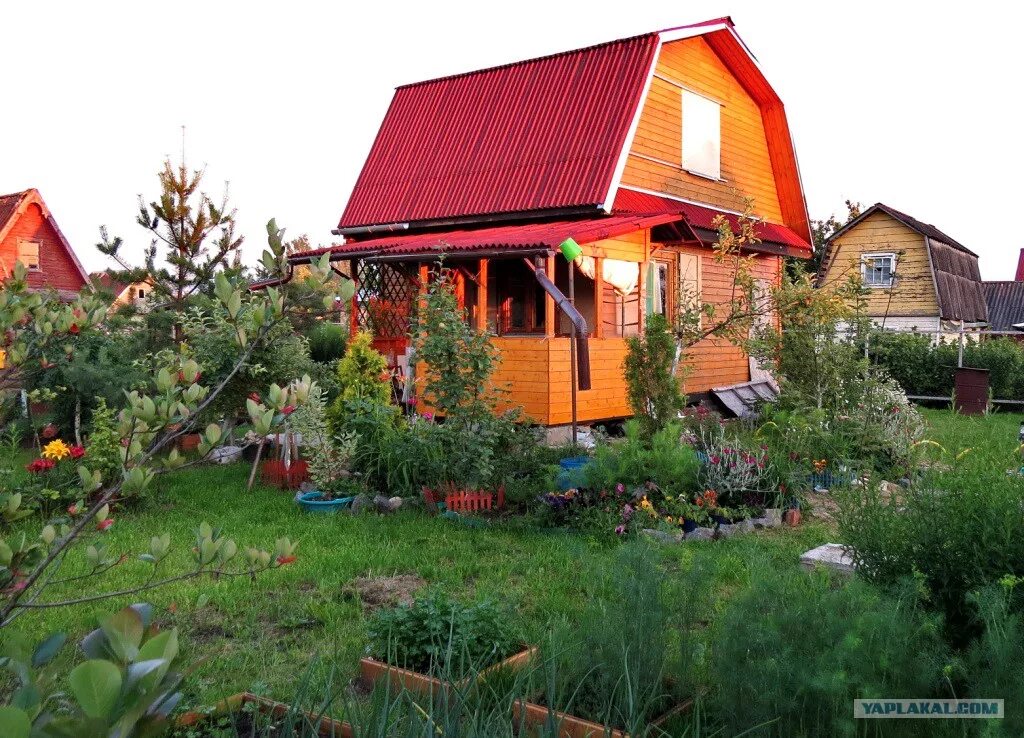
pixel 631 148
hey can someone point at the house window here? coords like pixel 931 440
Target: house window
pixel 702 136
pixel 520 301
pixel 689 286
pixel 142 293
pixel 878 270
pixel 28 254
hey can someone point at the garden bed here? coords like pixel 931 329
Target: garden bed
pixel 241 708
pixel 371 671
pixel 533 716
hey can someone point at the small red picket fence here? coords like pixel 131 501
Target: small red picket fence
pixel 274 472
pixel 463 501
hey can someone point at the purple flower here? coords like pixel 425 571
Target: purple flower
pixel 620 488
pixel 620 530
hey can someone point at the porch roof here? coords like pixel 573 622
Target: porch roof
pixel 512 238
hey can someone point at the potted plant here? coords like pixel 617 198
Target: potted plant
pixel 333 486
pixel 436 643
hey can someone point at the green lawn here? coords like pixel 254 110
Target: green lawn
pixel 267 632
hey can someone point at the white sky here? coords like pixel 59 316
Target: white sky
pixel 912 104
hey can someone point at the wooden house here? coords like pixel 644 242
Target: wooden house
pixel 29 234
pixel 631 148
pixel 917 277
pixel 123 294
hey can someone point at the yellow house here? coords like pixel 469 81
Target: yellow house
pixel 917 277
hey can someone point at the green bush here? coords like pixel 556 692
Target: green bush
pixel 362 375
pixel 922 368
pixel 959 526
pixel 637 458
pixel 436 634
pixel 791 653
pixel 326 342
pixel 995 662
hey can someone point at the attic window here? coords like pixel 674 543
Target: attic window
pixel 28 254
pixel 878 270
pixel 702 136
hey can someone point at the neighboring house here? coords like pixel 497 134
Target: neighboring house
pixel 1006 302
pixel 29 234
pixel 917 277
pixel 631 148
pixel 124 294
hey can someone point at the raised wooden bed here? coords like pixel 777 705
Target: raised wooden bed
pixel 532 716
pixel 371 671
pixel 326 727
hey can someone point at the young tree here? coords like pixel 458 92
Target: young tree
pixel 193 239
pixel 36 327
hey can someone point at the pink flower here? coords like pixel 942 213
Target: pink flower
pixel 715 459
pixel 428 416
pixel 620 488
pixel 104 524
pixel 620 530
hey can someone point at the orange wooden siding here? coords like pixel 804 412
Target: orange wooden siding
pixel 56 267
pixel 655 159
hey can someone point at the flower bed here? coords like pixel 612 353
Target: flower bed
pixel 371 671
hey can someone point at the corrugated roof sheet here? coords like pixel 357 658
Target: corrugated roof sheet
pixel 533 135
pixel 1005 304
pixel 926 229
pixel 958 280
pixel 703 218
pixel 511 237
pixel 1020 267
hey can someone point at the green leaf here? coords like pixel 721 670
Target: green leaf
pixel 124 631
pixel 14 723
pixel 47 649
pixel 96 685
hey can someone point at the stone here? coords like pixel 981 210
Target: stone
pixel 226 454
pixel 833 556
pixel 360 504
pixel 745 526
pixel 701 534
pixel 387 504
pixel 663 536
pixel 774 516
pixel 728 531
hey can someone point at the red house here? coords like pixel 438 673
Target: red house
pixel 631 148
pixel 29 234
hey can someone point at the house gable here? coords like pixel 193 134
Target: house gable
pixel 656 159
pixel 29 220
pixel 914 294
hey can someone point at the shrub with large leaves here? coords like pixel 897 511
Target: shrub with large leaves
pixel 125 687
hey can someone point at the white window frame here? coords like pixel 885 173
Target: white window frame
pixel 695 158
pixel 39 256
pixel 878 255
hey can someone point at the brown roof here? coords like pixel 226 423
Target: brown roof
pixel 1005 305
pixel 9 206
pixel 958 283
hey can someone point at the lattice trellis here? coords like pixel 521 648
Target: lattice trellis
pixel 385 299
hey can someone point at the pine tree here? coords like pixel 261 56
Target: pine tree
pixel 193 239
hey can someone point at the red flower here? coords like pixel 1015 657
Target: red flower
pixel 73 330
pixel 254 397
pixel 73 509
pixel 77 452
pixel 104 524
pixel 49 430
pixel 282 560
pixel 287 409
pixel 39 465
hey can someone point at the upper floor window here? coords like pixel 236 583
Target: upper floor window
pixel 877 270
pixel 702 135
pixel 28 254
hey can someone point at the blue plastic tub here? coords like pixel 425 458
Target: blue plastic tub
pixel 571 474
pixel 310 502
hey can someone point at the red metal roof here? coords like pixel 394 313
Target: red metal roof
pixel 1020 267
pixel 534 135
pixel 702 217
pixel 511 237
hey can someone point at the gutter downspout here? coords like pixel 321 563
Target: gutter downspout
pixel 563 303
